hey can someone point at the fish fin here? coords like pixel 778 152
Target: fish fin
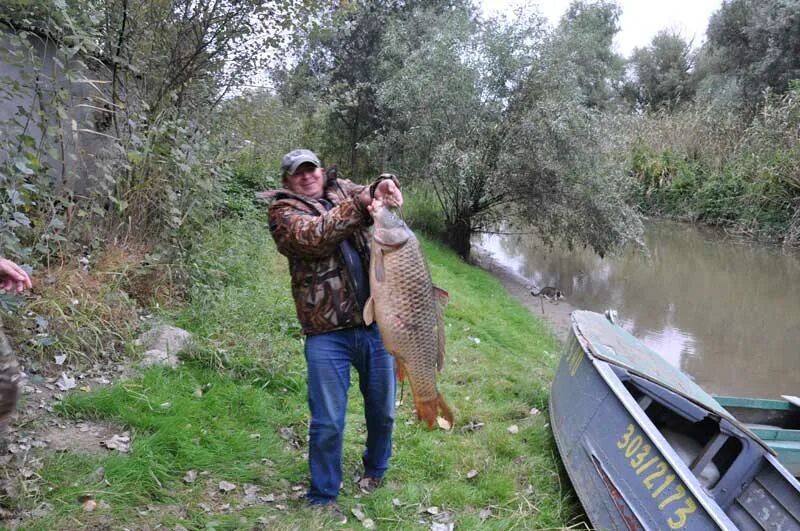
pixel 399 371
pixel 441 296
pixel 369 311
pixel 380 274
pixel 427 411
pixel 439 342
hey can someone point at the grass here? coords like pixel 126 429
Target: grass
pixel 235 411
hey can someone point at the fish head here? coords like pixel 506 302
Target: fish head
pixel 390 230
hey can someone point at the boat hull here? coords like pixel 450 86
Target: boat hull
pixel 600 441
pixel 657 452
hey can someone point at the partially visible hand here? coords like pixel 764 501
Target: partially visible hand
pixel 12 277
pixel 374 205
pixel 389 193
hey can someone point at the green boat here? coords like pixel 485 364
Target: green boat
pixel 776 422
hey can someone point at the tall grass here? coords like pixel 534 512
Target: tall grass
pixel 707 164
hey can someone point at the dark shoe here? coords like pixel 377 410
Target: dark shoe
pixel 368 484
pixel 332 511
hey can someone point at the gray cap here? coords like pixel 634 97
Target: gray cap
pixel 292 160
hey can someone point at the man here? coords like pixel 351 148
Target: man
pixel 319 222
pixel 13 279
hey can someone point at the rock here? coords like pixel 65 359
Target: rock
pixel 165 338
pixel 159 357
pixel 226 486
pixel 118 442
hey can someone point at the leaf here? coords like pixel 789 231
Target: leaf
pixel 45 340
pixel 15 197
pixel 27 141
pixel 22 166
pixel 358 512
pixel 120 443
pixel 56 224
pixel 22 219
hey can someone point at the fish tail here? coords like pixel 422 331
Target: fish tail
pixel 428 410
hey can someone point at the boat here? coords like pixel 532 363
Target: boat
pixel 646 448
pixel 776 422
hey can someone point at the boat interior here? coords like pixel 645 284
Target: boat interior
pixel 730 464
pixel 787 419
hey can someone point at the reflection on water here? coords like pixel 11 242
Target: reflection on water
pixel 725 313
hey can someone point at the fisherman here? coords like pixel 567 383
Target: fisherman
pixel 319 222
pixel 13 279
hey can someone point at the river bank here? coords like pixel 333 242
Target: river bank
pixel 556 315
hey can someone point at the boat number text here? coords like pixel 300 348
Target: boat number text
pixel 652 471
pixel 574 360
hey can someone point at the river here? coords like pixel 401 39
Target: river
pixel 724 312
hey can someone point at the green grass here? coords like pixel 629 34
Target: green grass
pixel 248 358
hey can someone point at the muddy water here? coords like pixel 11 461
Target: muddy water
pixel 726 313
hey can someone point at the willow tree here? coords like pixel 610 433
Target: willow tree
pixel 499 119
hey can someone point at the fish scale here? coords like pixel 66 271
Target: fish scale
pixel 408 310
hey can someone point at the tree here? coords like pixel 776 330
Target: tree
pixel 757 43
pixel 584 40
pixel 338 62
pixel 497 122
pixel 662 72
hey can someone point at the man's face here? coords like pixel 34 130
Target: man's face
pixel 306 180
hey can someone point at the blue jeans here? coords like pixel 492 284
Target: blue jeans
pixel 328 358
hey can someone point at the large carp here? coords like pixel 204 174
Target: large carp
pixel 408 309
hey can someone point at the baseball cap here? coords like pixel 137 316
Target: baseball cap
pixel 292 160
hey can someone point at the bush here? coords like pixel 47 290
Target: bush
pixel 701 164
pixel 422 211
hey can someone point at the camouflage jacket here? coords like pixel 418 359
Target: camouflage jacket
pixel 9 374
pixel 309 235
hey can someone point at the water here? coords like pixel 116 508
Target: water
pixel 726 313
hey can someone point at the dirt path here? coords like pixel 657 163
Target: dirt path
pixel 555 314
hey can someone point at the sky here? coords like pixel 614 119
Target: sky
pixel 640 20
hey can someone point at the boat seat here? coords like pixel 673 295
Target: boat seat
pixel 751 426
pixel 688 449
